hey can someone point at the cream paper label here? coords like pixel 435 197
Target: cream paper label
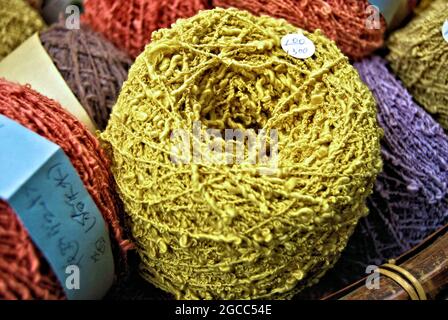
pixel 445 30
pixel 31 64
pixel 298 46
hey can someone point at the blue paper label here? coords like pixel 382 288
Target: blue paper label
pixel 388 8
pixel 44 189
pixel 445 30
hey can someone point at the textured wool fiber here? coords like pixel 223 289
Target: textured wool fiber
pixel 18 21
pixel 24 273
pixel 206 230
pixel 129 24
pixel 409 201
pixel 419 56
pixel 341 20
pixel 92 67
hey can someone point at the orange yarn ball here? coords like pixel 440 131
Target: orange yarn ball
pixel 129 24
pixel 343 21
pixel 24 272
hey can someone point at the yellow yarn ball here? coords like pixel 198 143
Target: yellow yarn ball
pixel 233 231
pixel 419 56
pixel 18 21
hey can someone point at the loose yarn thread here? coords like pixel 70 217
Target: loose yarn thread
pixel 206 230
pixel 24 273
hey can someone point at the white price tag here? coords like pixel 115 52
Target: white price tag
pixel 298 46
pixel 445 30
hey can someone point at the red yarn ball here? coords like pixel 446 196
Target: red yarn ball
pixel 129 24
pixel 24 272
pixel 343 21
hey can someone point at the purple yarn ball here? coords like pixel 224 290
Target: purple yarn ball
pixel 410 200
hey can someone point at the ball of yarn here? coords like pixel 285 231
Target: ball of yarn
pixel 343 21
pixel 409 201
pixel 18 21
pixel 92 67
pixel 129 24
pixel 418 55
pixel 207 230
pixel 24 273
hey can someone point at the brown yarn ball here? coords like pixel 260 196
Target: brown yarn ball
pixel 93 68
pixel 24 273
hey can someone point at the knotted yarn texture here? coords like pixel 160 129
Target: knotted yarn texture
pixel 419 56
pixel 409 201
pixel 18 21
pixel 344 21
pixel 129 23
pixel 24 273
pixel 92 67
pixel 232 231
